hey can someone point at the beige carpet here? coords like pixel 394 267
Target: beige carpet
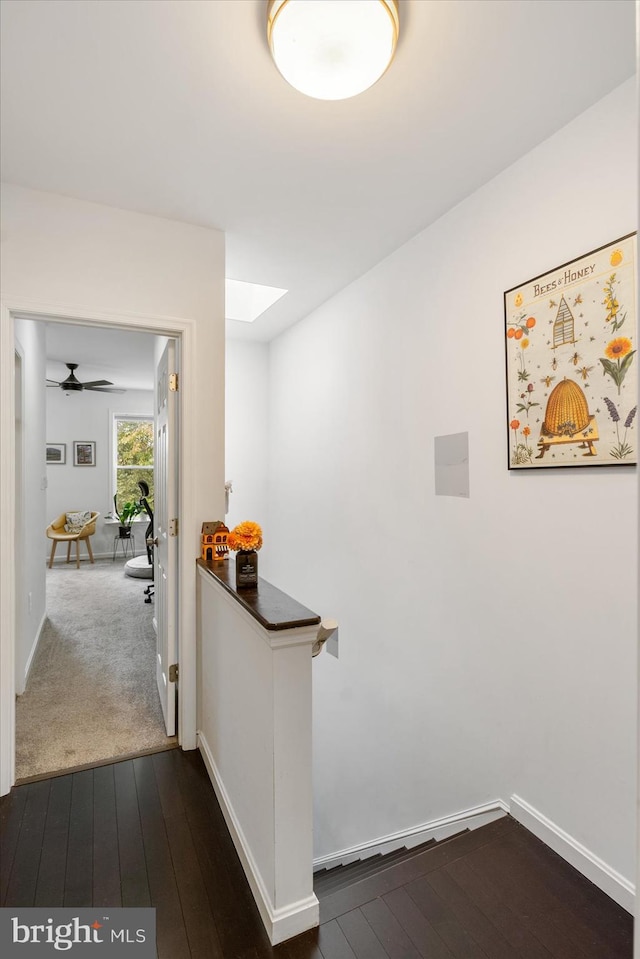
pixel 91 696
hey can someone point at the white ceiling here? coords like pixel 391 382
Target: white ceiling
pixel 174 108
pixel 125 359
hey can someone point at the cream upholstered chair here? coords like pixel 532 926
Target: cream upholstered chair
pixel 73 534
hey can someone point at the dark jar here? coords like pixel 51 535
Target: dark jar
pixel 246 569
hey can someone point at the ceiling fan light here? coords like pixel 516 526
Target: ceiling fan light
pixel 332 49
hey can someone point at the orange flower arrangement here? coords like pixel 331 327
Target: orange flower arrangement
pixel 245 536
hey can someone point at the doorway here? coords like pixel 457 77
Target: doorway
pixel 90 695
pixel 19 500
pixel 182 331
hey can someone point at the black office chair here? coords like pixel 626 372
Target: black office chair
pixel 148 536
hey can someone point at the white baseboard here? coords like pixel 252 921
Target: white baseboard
pixel 282 923
pixel 437 829
pixel 27 669
pixel 585 861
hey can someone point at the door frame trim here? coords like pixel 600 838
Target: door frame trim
pixel 19 463
pixel 183 330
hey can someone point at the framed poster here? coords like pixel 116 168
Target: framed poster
pixel 56 454
pixel 84 453
pixel 571 362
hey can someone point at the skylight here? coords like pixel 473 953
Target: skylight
pixel 247 301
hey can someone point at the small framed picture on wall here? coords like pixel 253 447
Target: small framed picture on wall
pixel 84 453
pixel 56 454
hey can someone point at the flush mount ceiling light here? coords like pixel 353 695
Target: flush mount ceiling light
pixel 332 49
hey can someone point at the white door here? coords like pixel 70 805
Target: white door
pixel 165 532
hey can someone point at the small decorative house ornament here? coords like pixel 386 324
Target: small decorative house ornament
pixel 213 540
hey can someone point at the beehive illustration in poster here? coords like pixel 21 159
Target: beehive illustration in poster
pixel 572 364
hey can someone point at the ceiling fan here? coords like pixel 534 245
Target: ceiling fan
pixel 73 385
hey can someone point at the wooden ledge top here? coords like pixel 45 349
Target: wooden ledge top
pixel 272 608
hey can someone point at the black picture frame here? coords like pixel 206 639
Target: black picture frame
pixel 571 368
pixel 84 453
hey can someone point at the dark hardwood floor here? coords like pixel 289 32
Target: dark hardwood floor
pixel 149 831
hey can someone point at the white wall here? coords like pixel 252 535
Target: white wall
pixel 487 645
pixel 117 266
pixel 89 416
pixel 30 593
pixel 108 260
pixel 247 436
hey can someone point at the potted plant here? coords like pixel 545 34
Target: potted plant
pixel 126 516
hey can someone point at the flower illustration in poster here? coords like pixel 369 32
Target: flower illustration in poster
pixel 617 361
pixel 571 362
pixel 622 449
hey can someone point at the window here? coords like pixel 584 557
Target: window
pixel 133 456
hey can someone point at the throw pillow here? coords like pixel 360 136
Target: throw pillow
pixel 76 520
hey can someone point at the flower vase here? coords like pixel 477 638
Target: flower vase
pixel 246 569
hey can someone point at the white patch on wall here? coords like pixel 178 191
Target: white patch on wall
pixel 451 457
